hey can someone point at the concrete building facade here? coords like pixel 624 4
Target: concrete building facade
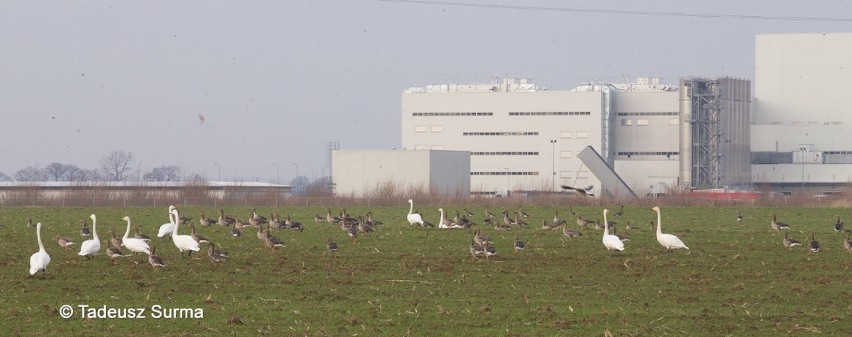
pixel 372 172
pixel 800 134
pixel 522 137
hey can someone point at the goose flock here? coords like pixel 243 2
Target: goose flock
pixel 481 246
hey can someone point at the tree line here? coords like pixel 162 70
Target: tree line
pixel 114 166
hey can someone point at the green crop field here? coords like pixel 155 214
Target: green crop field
pixel 736 279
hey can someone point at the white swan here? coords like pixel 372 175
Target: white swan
pixel 610 241
pixel 413 218
pixel 133 244
pixel 39 260
pixel 167 228
pixel 667 240
pixel 91 247
pixel 182 242
pixel 442 222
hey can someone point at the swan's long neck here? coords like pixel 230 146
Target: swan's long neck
pixel 659 223
pixel 127 232
pixel 411 208
pixel 173 220
pixel 442 217
pixel 606 226
pixel 95 228
pixel 38 235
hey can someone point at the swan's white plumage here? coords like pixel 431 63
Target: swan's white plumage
pixel 167 228
pixel 92 246
pixel 441 222
pixel 413 218
pixel 133 244
pixel 667 240
pixel 610 241
pixel 182 242
pixel 39 260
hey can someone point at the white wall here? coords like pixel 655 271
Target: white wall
pixel 803 78
pixel 359 172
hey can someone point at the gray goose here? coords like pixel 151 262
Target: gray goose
pixel 570 233
pixel 225 220
pixel 216 257
pixel 205 221
pixel 113 252
pixel 838 225
pixel 84 229
pixel 848 243
pixel 235 232
pixel 777 225
pixel 141 236
pixel 481 239
pixel 814 244
pixel 331 246
pixel 155 260
pixel 476 250
pixel 519 245
pixel 790 243
pixel 116 241
pixel 63 242
pixel 294 225
pixel 196 237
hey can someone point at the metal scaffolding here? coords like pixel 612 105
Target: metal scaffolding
pixel 703 96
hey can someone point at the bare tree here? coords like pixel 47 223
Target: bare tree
pixel 30 173
pixel 163 173
pixel 59 172
pixel 4 177
pixel 83 175
pixel 116 165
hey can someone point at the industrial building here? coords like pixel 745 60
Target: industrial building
pixel 376 173
pixel 702 133
pixel 525 138
pixel 800 135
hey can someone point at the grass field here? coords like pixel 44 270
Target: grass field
pixel 737 279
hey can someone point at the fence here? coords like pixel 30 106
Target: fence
pixel 561 200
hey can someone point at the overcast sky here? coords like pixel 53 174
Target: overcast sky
pixel 248 83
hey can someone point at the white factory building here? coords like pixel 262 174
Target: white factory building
pixel 802 131
pixel 699 133
pixel 525 138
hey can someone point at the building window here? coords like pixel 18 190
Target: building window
pixel 647 114
pixel 420 129
pixel 498 153
pixel 641 122
pixel 551 113
pixel 626 122
pixel 674 121
pixel 451 114
pixel 504 133
pixel 503 173
pixel 437 147
pixel 419 147
pixel 566 154
pixel 582 134
pixel 437 128
pixel 565 134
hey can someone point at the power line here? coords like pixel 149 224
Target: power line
pixel 623 12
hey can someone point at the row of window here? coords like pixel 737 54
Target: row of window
pixel 451 114
pixel 647 114
pixel 479 114
pixel 504 173
pixel 641 153
pixel 504 133
pixel 504 153
pixel 551 113
pixel 644 122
